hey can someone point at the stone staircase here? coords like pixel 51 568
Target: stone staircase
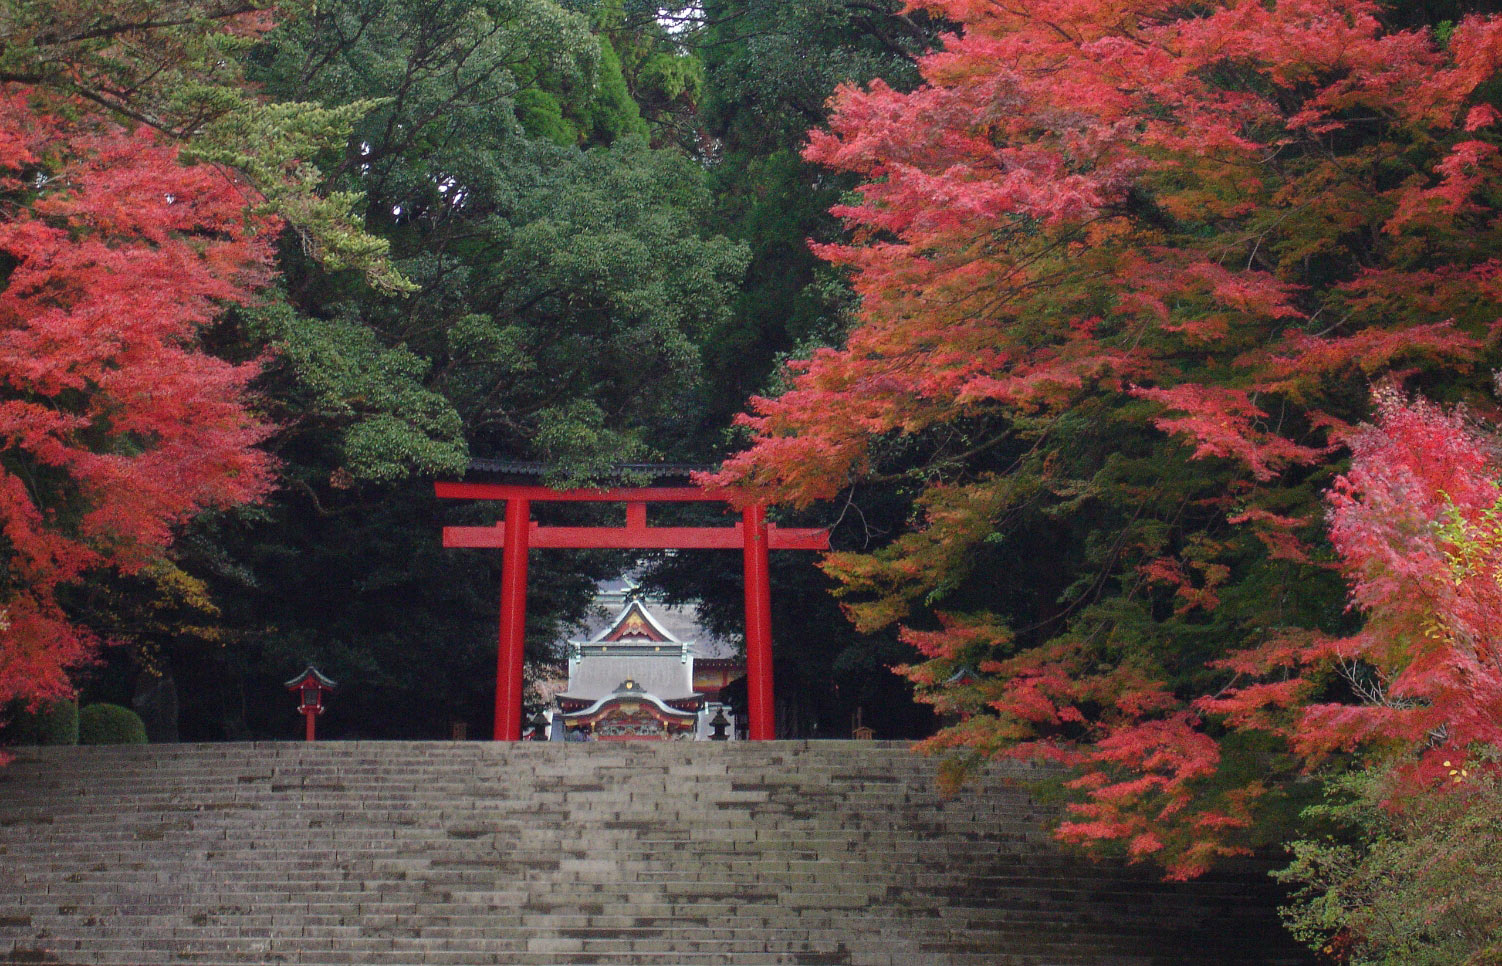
pixel 554 854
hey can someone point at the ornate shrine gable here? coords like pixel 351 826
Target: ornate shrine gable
pixel 637 624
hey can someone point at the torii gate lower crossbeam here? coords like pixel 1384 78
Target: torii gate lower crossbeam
pixel 517 533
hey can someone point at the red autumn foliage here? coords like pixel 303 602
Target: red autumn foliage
pixel 1050 116
pixel 1415 521
pixel 115 425
pixel 1220 222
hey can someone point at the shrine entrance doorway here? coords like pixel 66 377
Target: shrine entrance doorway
pixel 516 534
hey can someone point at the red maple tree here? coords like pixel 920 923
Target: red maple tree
pixel 116 425
pixel 1094 221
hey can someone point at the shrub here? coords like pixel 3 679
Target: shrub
pixel 1403 882
pixel 110 724
pixel 55 724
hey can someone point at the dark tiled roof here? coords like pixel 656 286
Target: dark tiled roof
pixel 530 470
pixel 661 674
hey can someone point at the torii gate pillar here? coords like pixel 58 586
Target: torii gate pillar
pixel 516 535
pixel 508 680
pixel 763 723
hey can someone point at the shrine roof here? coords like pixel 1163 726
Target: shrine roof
pixel 679 621
pixel 634 693
pixel 662 675
pixel 636 619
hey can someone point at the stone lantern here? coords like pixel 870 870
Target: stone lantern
pixel 720 723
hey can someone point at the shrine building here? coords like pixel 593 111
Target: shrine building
pixel 637 678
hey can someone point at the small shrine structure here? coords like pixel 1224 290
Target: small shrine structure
pixel 637 679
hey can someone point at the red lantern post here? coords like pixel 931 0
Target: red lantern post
pixel 310 687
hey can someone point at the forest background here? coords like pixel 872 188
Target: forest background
pixel 1141 358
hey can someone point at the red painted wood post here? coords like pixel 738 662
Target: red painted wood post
pixel 763 723
pixel 508 671
pixel 310 714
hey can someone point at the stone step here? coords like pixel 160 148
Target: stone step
pixel 419 853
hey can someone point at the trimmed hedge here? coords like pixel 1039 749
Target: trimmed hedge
pixel 110 724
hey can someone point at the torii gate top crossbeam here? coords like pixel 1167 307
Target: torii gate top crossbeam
pixel 635 535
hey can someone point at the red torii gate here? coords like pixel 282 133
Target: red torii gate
pixel 517 533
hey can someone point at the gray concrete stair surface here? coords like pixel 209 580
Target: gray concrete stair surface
pixel 564 854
